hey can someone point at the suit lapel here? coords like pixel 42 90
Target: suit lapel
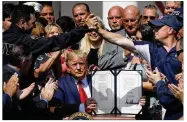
pixel 73 88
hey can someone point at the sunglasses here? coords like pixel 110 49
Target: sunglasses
pixel 150 17
pixel 179 52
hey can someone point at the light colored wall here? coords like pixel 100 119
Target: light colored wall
pixel 95 7
pixel 108 4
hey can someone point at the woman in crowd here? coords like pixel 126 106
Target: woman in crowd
pixel 92 44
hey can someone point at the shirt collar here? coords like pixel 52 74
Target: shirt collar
pixel 84 81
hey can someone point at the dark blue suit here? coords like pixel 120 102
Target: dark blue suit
pixel 67 94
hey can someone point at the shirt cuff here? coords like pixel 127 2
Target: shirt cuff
pixel 81 107
pixel 43 99
pixel 159 83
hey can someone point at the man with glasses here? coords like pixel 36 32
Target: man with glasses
pixel 149 13
pixel 160 55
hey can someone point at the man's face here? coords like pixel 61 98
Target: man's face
pixel 170 7
pixel 48 13
pixel 28 26
pixel 131 22
pixel 161 32
pixel 79 15
pixel 7 23
pixel 115 20
pixel 148 15
pixel 77 67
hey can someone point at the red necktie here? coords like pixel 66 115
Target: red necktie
pixel 83 96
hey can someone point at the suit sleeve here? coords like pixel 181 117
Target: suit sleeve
pixel 111 60
pixel 7 102
pixel 166 98
pixel 44 45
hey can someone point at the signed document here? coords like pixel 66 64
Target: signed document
pixel 129 91
pixel 103 91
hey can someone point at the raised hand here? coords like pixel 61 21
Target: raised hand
pixel 178 76
pixel 153 77
pixel 91 21
pixel 92 67
pixel 176 91
pixel 12 85
pixel 25 92
pixel 48 90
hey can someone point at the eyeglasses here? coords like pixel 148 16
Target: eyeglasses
pixel 179 52
pixel 150 17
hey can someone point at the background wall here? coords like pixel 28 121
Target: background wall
pixel 99 8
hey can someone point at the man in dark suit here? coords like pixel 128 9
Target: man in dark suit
pixel 23 106
pixel 74 89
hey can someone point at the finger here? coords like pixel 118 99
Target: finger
pixel 4 85
pixel 148 72
pixel 175 88
pixel 147 75
pixel 91 16
pixel 172 89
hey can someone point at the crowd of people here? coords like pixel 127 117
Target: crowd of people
pixel 47 63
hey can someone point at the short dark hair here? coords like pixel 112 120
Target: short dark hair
pixel 22 12
pixel 147 32
pixel 152 7
pixel 42 21
pixel 66 23
pixel 18 54
pixel 84 4
pixel 8 8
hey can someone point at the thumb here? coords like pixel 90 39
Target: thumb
pixel 4 85
pixel 90 16
pixel 156 69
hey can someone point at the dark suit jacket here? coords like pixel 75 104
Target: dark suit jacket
pixel 26 108
pixel 67 95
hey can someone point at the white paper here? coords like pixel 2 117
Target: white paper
pixel 129 91
pixel 103 91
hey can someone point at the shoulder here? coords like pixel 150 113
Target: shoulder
pixel 64 79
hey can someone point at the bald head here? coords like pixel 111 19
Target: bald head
pixel 131 18
pixel 115 17
pixel 131 9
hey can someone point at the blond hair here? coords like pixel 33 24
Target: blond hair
pixel 86 44
pixel 74 53
pixel 49 27
pixel 37 30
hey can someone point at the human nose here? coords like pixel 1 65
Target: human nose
pixel 78 66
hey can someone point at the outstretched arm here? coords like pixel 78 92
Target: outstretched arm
pixel 117 39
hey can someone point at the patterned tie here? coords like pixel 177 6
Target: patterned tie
pixel 83 96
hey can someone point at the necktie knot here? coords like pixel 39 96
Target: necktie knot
pixel 79 82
